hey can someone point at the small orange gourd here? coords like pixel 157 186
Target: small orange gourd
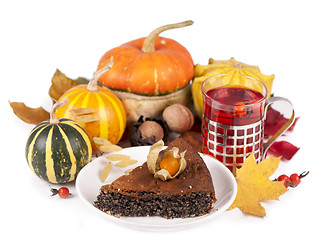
pixel 149 66
pixel 97 109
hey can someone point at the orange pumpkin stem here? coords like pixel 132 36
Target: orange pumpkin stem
pixel 53 117
pixel 92 85
pixel 149 42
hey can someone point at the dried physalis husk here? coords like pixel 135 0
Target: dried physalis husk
pixel 153 156
pixel 105 145
pixel 154 159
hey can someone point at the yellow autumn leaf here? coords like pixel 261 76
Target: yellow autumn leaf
pixel 254 185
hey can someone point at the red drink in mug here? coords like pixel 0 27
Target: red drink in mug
pixel 234 109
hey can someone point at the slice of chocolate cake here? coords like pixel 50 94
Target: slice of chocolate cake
pixel 190 194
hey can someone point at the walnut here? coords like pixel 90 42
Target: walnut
pixel 140 138
pixel 151 128
pixel 178 118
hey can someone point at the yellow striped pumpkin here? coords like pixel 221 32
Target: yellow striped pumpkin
pixel 57 149
pixel 230 68
pixel 104 114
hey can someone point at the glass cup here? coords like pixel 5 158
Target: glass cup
pixel 234 111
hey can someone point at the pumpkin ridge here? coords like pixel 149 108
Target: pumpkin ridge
pixel 42 124
pixel 49 159
pixel 72 94
pixel 82 101
pixel 39 155
pixel 38 127
pixel 76 90
pixel 176 69
pixel 69 148
pixel 156 89
pixel 78 128
pixel 119 113
pixel 233 71
pixel 116 107
pixel 83 137
pixel 61 162
pixel 69 122
pixel 31 142
pixel 73 124
pixel 85 100
pixel 64 110
pixel 181 72
pixel 103 123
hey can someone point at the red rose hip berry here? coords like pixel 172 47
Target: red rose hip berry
pixel 63 192
pixel 284 178
pixel 295 179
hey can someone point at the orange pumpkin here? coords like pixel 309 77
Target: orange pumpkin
pixel 97 109
pixel 149 66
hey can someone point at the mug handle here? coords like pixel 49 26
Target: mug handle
pixel 269 102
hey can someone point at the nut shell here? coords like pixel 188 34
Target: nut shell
pixel 151 128
pixel 135 136
pixel 178 118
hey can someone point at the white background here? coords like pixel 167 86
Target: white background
pixel 37 37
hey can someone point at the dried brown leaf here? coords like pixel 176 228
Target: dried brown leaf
pixel 118 157
pixel 125 163
pixel 29 115
pixel 106 171
pixel 60 84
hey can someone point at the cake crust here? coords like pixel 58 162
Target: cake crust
pixel 193 187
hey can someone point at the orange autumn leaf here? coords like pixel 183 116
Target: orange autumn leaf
pixel 29 115
pixel 254 185
pixel 60 84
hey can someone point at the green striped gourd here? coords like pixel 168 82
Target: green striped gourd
pixel 57 149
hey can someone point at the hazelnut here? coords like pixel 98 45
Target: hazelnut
pixel 178 118
pixel 151 128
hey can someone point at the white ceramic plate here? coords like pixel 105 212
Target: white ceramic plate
pixel 88 184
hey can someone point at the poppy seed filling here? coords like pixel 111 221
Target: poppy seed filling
pixel 150 204
pixel 190 194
